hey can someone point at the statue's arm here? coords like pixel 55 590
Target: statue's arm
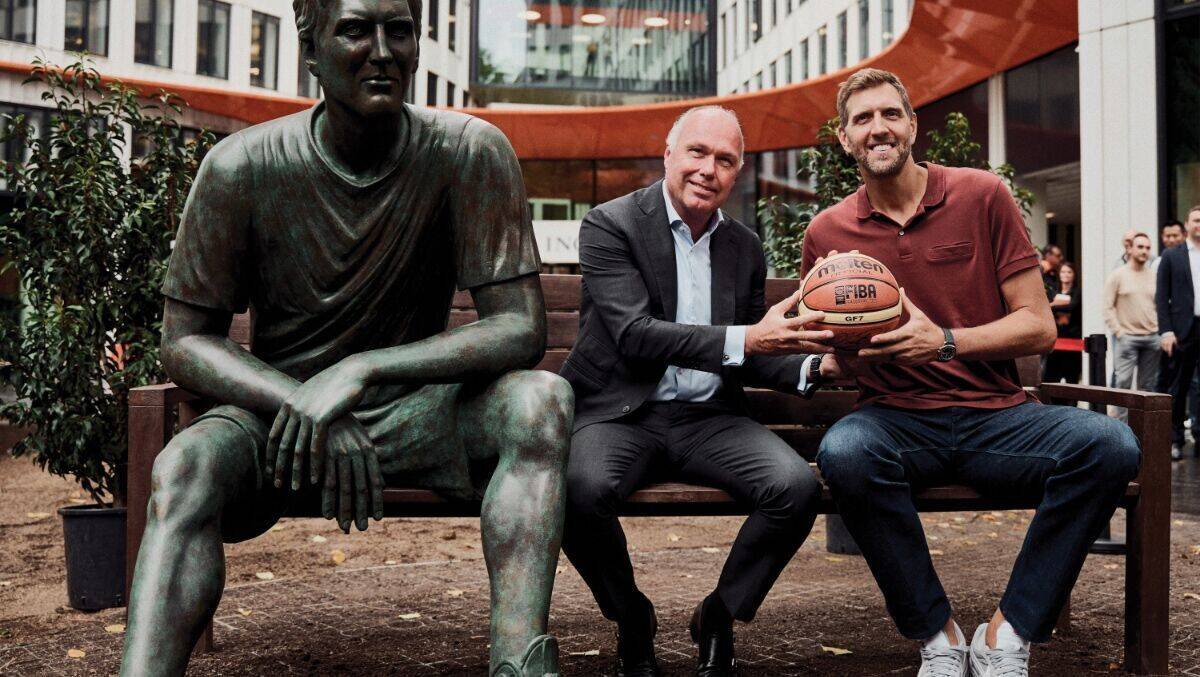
pixel 199 355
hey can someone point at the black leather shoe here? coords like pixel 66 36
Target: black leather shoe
pixel 716 648
pixel 635 647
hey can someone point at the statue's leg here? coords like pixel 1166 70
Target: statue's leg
pixel 525 419
pixel 180 569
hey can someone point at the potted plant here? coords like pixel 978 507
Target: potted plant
pixel 98 194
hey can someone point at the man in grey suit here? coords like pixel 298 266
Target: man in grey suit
pixel 672 324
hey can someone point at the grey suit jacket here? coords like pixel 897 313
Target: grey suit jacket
pixel 627 330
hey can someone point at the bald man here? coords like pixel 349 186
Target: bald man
pixel 672 323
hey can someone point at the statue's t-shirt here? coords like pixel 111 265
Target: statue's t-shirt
pixel 332 266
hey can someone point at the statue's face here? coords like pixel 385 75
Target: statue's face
pixel 365 53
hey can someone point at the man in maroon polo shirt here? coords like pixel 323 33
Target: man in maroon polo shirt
pixel 940 400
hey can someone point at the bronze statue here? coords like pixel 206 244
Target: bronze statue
pixel 346 229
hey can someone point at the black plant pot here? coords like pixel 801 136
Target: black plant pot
pixel 95 543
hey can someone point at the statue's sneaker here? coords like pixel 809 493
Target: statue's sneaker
pixel 539 660
pixel 998 662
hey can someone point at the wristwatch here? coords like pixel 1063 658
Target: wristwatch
pixel 814 371
pixel 948 349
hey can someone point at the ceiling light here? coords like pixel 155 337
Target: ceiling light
pixel 531 15
pixel 593 19
pixel 821 30
pixel 640 41
pixel 1050 215
pixel 656 22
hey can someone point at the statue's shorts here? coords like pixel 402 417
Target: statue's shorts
pixel 418 437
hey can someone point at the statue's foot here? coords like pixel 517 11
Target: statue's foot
pixel 539 660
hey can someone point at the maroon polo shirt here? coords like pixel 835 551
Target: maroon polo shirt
pixel 966 238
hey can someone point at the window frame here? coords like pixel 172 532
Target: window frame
pixel 201 36
pixel 256 19
pixel 86 29
pixel 11 10
pixel 154 5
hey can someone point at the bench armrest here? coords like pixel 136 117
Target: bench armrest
pixel 160 395
pixel 1129 399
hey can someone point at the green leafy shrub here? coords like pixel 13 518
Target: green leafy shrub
pixel 89 237
pixel 836 176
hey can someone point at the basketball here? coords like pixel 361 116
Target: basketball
pixel 859 296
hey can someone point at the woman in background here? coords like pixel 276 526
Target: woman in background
pixel 1066 364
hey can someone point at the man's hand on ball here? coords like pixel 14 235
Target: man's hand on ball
pixel 913 343
pixel 353 487
pixel 832 252
pixel 776 334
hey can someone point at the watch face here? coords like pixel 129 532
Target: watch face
pixel 946 353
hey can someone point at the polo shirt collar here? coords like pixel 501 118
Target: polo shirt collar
pixel 935 192
pixel 673 216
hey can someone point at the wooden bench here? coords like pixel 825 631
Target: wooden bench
pixel 157 412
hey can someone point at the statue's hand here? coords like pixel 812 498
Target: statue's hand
pixel 302 425
pixel 353 480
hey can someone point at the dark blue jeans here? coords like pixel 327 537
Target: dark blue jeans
pixel 1076 463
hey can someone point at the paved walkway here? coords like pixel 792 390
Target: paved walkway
pixel 431 618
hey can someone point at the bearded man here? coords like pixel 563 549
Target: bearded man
pixel 939 398
pixel 346 228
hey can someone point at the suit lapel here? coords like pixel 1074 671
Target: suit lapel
pixel 724 272
pixel 655 233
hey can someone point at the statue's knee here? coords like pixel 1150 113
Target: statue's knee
pixel 540 410
pixel 185 480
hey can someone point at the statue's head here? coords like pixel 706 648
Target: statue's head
pixel 363 52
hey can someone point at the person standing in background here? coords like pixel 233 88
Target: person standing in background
pixel 1052 258
pixel 1130 314
pixel 1178 305
pixel 1064 364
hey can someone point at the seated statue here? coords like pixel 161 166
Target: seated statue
pixel 345 228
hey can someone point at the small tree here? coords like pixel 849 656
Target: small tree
pixel 836 176
pixel 89 237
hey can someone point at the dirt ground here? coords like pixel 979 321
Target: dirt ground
pixel 410 597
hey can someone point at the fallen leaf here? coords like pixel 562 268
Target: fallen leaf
pixel 944 525
pixel 933 538
pixel 318 539
pixel 1114 665
pixel 969 542
pixel 989 518
pixel 960 520
pixel 711 551
pixel 76 653
pixel 996 513
pixel 992 534
pixel 449 535
pixel 277 527
pixel 337 556
pixel 389 561
pixel 832 558
pixel 78 501
pixel 936 552
pixel 265 576
pixel 589 652
pixel 37 515
pixel 244 612
pixel 1196 549
pixel 835 650
pixel 1191 595
pixel 115 628
pixel 687 575
pixel 454 593
pixel 673 538
pixel 410 616
pixel 1112 566
pixel 559 569
pixel 1177 523
pixel 5 584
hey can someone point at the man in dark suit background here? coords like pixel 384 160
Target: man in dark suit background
pixel 672 324
pixel 1178 302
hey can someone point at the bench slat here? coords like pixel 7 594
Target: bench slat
pixel 824 409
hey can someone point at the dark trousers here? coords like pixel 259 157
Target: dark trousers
pixel 1076 462
pixel 706 443
pixel 1181 371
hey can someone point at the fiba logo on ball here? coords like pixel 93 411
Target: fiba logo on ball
pixel 859 296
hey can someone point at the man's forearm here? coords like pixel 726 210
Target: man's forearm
pixel 218 368
pixel 1018 334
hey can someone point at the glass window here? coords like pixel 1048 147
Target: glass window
pixel 790 6
pixel 804 60
pixel 152 32
pixel 842 40
pixel 1182 99
pixel 823 50
pixel 585 45
pixel 264 50
pixel 756 20
pixel 771 73
pixel 431 87
pixel 449 94
pixel 308 85
pixel 971 102
pixel 17 20
pixel 724 41
pixel 889 22
pixel 787 67
pixel 87 26
pixel 432 24
pixel 864 35
pixel 758 81
pixel 774 18
pixel 451 24
pixel 212 38
pixel 1041 112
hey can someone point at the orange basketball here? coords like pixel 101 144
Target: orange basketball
pixel 859 296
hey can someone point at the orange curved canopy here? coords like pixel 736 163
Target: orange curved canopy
pixel 949 45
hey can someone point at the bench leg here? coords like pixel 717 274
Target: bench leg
pixel 1148 554
pixel 205 643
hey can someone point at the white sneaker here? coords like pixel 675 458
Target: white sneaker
pixel 998 662
pixel 939 658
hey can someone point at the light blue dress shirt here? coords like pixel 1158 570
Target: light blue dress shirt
pixel 693 280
